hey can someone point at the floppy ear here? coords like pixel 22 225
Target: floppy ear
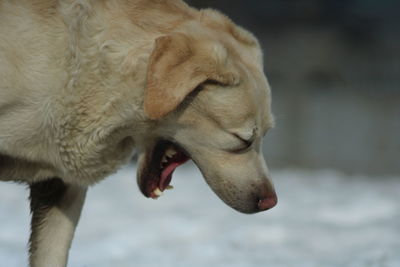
pixel 175 70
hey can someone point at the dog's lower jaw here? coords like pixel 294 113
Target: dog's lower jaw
pixel 156 165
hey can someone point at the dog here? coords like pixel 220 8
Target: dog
pixel 84 83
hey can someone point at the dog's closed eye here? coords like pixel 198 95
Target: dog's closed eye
pixel 246 142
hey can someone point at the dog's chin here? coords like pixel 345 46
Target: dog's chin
pixel 243 200
pixel 157 165
pixel 247 206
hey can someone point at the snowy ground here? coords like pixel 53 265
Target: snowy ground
pixel 323 219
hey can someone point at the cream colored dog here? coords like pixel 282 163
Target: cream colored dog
pixel 84 82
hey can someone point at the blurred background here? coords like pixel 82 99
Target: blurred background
pixel 334 69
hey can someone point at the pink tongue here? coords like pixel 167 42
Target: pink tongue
pixel 167 172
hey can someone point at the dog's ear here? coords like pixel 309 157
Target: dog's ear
pixel 175 69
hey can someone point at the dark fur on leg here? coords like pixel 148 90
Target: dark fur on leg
pixel 43 196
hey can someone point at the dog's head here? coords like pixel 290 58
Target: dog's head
pixel 208 100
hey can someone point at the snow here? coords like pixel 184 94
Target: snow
pixel 323 219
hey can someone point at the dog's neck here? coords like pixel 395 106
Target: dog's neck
pixel 108 53
pixel 87 116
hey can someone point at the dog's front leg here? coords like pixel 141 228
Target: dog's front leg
pixel 56 209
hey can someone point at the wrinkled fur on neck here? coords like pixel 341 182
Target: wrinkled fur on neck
pixel 101 115
pixel 95 131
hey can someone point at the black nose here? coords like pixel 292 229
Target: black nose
pixel 268 202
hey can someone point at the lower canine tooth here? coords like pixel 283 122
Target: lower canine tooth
pixel 157 192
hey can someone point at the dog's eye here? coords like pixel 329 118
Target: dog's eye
pixel 213 82
pixel 246 143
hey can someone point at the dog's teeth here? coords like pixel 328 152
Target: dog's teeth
pixel 169 187
pixel 157 192
pixel 170 152
pixel 164 159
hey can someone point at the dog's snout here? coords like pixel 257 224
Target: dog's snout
pixel 267 202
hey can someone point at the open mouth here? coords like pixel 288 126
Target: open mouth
pixel 160 165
